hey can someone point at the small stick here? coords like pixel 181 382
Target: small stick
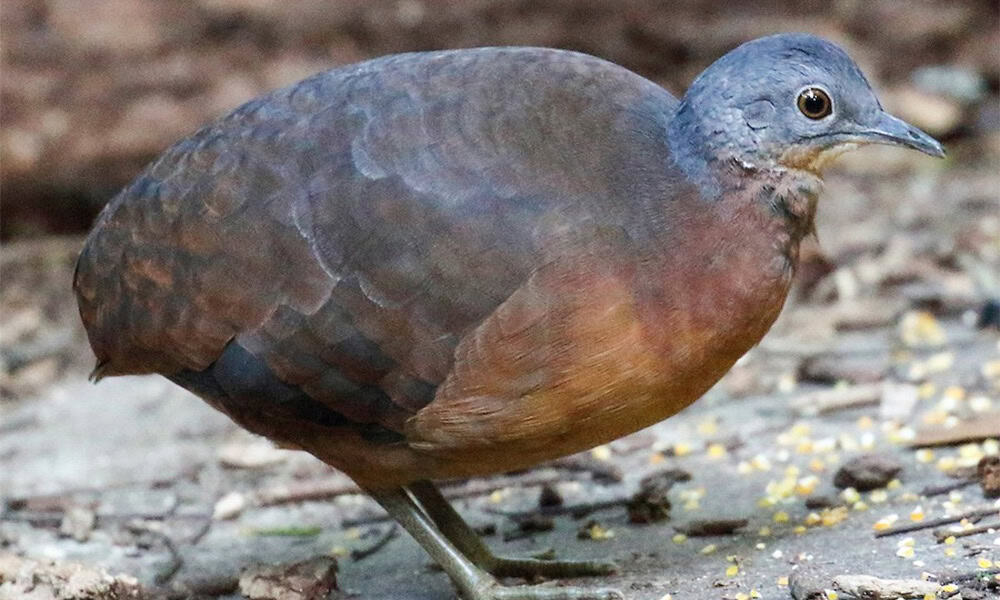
pixel 976 513
pixel 975 575
pixel 553 511
pixel 945 488
pixel 176 562
pixel 323 490
pixel 826 401
pixel 943 535
pixel 360 554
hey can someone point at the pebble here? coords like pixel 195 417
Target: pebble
pixel 867 472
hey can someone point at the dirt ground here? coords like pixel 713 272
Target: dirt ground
pixel 888 347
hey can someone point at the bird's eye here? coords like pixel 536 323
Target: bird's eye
pixel 815 103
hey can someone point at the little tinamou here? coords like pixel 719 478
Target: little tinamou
pixel 449 264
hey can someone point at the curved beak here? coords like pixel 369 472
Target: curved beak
pixel 897 132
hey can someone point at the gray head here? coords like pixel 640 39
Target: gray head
pixel 789 100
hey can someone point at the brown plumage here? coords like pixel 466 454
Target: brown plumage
pixel 447 264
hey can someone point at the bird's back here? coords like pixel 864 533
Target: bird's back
pixel 340 237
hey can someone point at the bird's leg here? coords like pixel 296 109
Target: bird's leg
pixel 451 524
pixel 472 582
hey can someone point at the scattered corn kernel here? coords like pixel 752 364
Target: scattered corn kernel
pixel 681 449
pixel 885 522
pixel 832 516
pixel 716 450
pixel 799 529
pixel 602 452
pixel 787 383
pixel 806 485
pixel 984 563
pixel 917 514
pixel 946 463
pixel 679 538
pixel 919 328
pixel 905 552
pixel 708 427
pixel 878 496
pixel 732 571
pixel 780 517
pixel 940 362
pixel 783 581
pixel 980 404
pixel 925 455
pixel 708 549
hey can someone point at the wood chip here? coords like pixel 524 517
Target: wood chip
pixel 984 426
pixel 874 588
pixel 308 580
pixel 706 527
pixel 26 578
pixel 832 400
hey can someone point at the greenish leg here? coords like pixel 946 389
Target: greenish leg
pixel 472 582
pixel 451 524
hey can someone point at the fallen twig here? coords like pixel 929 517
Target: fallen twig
pixel 944 488
pixel 943 535
pixel 304 492
pixel 600 470
pixel 359 554
pixel 176 561
pixel 577 510
pixel 974 575
pixel 823 402
pixel 976 513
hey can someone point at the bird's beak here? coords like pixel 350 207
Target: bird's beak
pixel 897 132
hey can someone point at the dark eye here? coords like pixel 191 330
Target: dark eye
pixel 815 103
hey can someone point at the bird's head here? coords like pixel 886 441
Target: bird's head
pixel 793 101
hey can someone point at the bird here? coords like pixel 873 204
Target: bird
pixel 449 264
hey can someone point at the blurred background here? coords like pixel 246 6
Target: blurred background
pixel 92 90
pixel 905 270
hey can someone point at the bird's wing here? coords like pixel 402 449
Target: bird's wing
pixel 349 231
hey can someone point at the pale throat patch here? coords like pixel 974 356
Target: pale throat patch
pixel 812 158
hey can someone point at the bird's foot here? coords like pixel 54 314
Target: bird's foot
pixel 533 567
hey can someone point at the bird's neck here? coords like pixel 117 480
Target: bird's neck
pixel 788 195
